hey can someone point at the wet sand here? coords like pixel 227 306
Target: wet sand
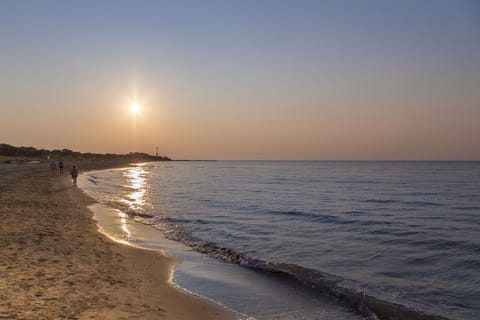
pixel 56 265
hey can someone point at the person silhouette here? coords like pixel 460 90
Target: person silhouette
pixel 74 174
pixel 53 166
pixel 60 167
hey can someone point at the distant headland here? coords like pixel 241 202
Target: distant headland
pixel 13 154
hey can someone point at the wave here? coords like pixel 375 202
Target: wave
pixel 92 179
pixel 308 215
pixel 133 214
pixel 342 290
pixel 380 201
pixel 472 208
pixel 347 218
pixel 408 203
pixel 364 304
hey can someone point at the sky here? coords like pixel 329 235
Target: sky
pixel 244 80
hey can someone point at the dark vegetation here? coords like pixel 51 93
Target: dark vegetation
pixel 9 153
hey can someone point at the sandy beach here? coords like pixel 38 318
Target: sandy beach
pixel 56 265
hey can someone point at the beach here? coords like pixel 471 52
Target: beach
pixel 56 265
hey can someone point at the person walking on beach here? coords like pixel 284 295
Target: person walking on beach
pixel 53 167
pixel 60 167
pixel 74 174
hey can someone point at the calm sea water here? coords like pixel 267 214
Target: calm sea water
pixel 384 238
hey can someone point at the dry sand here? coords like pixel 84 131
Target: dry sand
pixel 54 264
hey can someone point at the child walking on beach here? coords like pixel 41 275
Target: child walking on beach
pixel 74 174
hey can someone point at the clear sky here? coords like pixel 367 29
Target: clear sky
pixel 244 79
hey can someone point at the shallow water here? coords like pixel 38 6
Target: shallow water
pixel 403 233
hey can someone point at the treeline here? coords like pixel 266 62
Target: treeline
pixel 30 152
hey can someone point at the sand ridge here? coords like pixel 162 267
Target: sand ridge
pixel 55 264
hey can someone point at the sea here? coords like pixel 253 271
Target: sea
pixel 307 239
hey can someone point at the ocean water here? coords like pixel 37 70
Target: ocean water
pixel 386 240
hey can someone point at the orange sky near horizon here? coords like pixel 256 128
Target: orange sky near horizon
pixel 297 81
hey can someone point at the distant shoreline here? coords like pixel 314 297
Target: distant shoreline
pixel 11 153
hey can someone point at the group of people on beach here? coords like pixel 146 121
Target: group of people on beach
pixel 73 171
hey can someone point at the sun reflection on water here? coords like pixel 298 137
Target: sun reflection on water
pixel 136 182
pixel 124 225
pixel 134 198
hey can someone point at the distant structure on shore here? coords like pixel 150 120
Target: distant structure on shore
pixel 9 153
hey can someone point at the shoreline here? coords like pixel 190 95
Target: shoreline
pixel 58 265
pixel 225 283
pixel 250 292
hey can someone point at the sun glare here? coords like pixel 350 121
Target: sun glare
pixel 135 107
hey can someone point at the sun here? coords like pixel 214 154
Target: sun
pixel 135 107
